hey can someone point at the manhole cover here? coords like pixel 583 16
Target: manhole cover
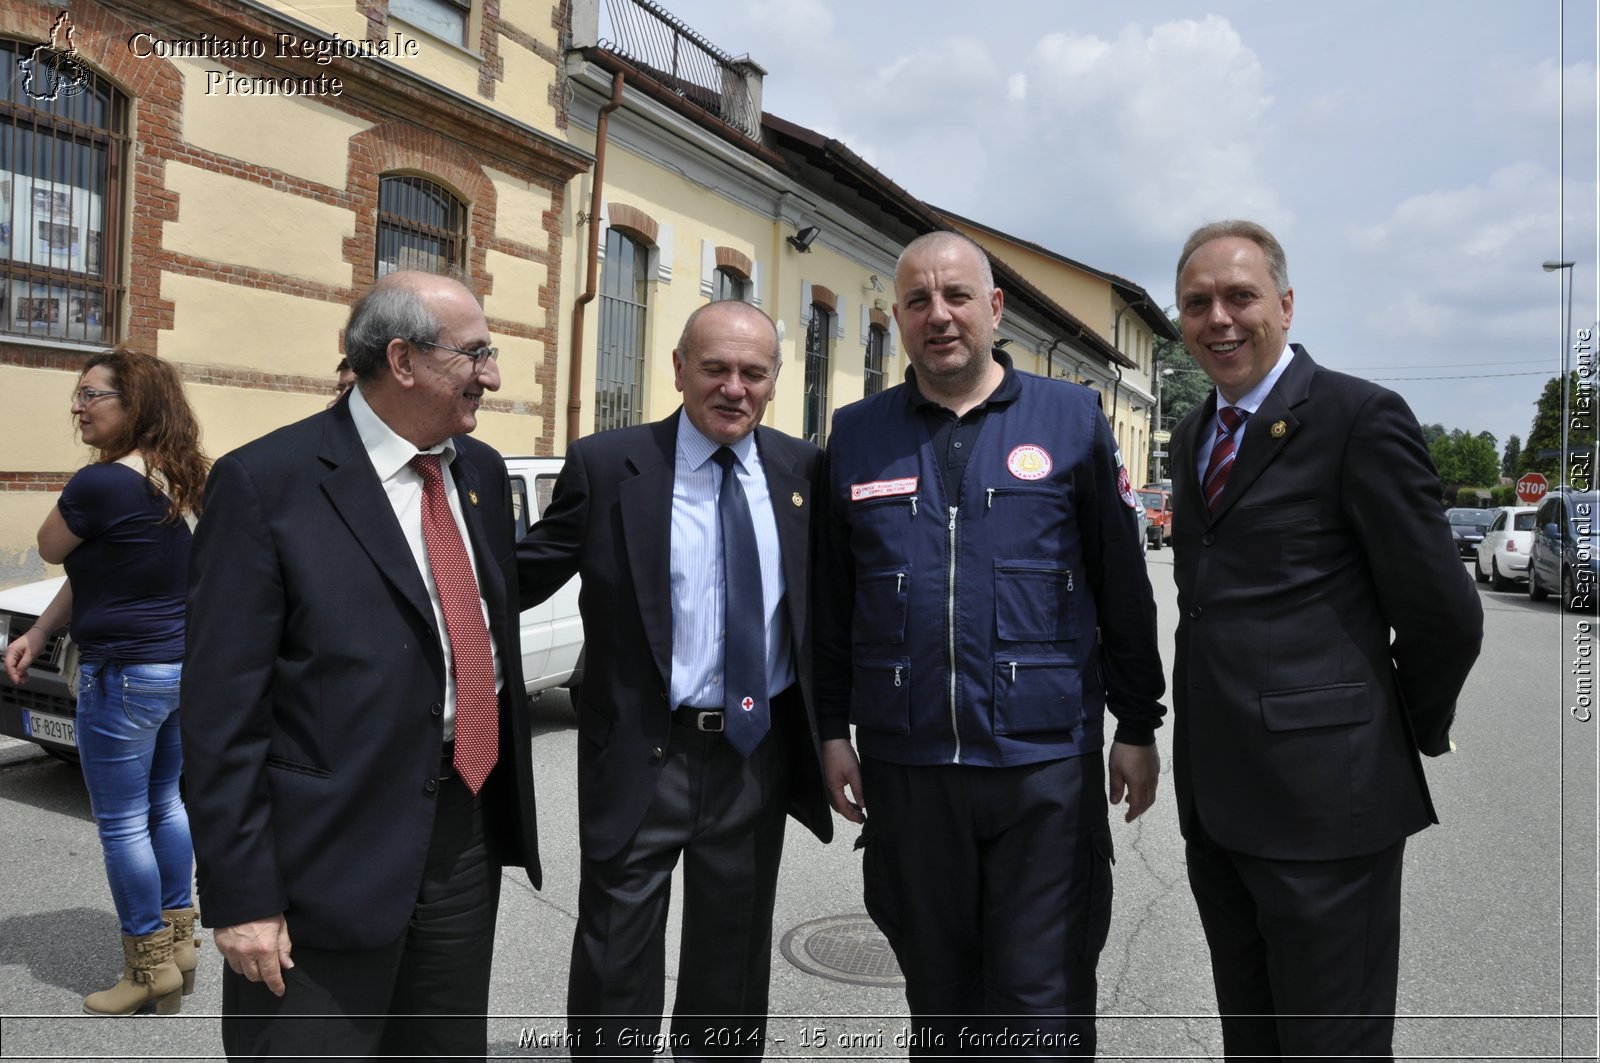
pixel 845 948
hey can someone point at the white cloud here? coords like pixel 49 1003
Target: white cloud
pixel 1141 133
pixel 1460 267
pixel 1163 129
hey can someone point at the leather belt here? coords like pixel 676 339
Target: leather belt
pixel 707 720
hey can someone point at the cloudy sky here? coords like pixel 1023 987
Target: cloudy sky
pixel 1418 158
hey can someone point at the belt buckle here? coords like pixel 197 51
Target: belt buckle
pixel 709 721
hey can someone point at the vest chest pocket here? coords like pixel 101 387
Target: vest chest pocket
pixel 880 610
pixel 1033 601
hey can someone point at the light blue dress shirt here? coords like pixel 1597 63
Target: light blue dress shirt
pixel 698 624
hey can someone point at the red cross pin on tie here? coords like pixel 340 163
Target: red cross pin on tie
pixel 744 650
pixel 471 653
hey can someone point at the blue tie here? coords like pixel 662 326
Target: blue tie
pixel 744 617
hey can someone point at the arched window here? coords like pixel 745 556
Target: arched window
pixel 819 333
pixel 421 225
pixel 624 297
pixel 729 283
pixel 63 150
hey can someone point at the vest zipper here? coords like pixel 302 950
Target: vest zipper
pixel 950 633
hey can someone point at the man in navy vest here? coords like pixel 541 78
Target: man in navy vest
pixel 981 599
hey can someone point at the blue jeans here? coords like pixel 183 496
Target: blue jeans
pixel 129 746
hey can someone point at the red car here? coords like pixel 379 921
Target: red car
pixel 1158 507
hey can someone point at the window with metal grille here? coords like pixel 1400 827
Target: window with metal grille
pixel 818 338
pixel 63 157
pixel 730 284
pixel 624 297
pixel 872 375
pixel 421 225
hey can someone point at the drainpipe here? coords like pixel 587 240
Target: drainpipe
pixel 1049 355
pixel 1116 391
pixel 575 372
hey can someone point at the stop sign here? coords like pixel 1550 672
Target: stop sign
pixel 1531 488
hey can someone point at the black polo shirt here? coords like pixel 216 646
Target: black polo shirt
pixel 953 436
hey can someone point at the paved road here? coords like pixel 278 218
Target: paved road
pixel 1499 902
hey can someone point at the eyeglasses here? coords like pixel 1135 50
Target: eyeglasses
pixel 84 396
pixel 479 355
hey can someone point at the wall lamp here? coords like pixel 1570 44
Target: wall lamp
pixel 802 240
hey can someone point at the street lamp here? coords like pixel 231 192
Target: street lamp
pixel 1160 423
pixel 1566 371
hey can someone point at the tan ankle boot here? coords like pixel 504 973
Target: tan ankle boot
pixel 148 974
pixel 184 943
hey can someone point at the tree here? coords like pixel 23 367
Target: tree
pixel 1188 385
pixel 1542 453
pixel 1465 460
pixel 1431 434
pixel 1508 464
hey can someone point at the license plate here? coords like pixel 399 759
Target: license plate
pixel 45 727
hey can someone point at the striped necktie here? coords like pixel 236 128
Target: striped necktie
pixel 1223 448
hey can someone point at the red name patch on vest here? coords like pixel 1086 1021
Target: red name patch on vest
pixel 883 488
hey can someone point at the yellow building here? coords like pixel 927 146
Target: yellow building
pixel 213 182
pixel 703 196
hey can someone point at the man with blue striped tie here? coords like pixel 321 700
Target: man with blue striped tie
pixel 696 728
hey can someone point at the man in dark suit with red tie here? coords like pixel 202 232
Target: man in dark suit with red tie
pixel 695 725
pixel 1307 528
pixel 355 728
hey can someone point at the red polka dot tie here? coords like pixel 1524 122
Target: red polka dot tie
pixel 471 654
pixel 1229 418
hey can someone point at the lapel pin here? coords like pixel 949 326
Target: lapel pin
pixel 796 499
pixel 472 496
pixel 1279 429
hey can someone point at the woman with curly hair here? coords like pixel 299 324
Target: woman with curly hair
pixel 121 529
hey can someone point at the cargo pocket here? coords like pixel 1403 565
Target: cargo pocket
pixel 1031 601
pixel 877 884
pixel 1036 695
pixel 880 694
pixel 1098 925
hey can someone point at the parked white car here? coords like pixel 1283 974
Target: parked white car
pixel 1502 559
pixel 45 710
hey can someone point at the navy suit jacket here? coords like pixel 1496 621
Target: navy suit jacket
pixel 610 521
pixel 313 688
pixel 1298 718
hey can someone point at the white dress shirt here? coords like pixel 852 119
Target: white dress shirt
pixel 1250 402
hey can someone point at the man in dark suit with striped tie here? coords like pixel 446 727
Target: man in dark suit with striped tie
pixel 1307 528
pixel 696 728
